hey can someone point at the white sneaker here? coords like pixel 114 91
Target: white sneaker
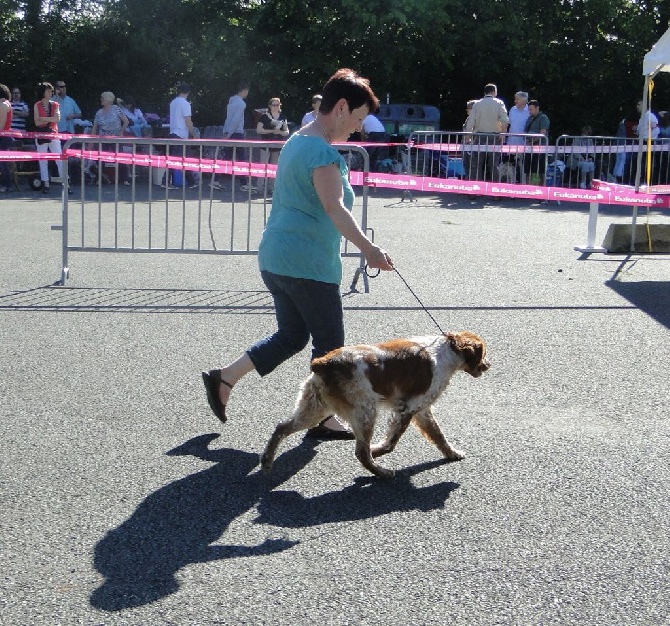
pixel 216 185
pixel 248 188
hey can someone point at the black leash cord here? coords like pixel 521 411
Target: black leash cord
pixel 395 269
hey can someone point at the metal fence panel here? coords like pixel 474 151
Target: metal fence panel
pixel 208 196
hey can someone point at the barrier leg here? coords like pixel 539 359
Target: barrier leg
pixel 591 232
pixel 360 271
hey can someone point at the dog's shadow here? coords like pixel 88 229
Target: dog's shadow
pixel 368 497
pixel 177 524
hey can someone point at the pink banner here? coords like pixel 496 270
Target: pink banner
pixel 601 192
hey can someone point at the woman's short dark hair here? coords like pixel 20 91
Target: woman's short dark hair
pixel 41 90
pixel 4 92
pixel 347 84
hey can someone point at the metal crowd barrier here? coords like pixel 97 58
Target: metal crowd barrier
pixel 493 157
pixel 139 195
pixel 611 159
pixel 573 161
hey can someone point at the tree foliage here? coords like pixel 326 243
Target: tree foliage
pixel 581 58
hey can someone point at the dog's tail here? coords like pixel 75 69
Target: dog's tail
pixel 311 396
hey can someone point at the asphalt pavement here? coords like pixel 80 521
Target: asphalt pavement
pixel 124 500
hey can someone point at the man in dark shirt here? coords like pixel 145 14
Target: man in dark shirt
pixel 536 124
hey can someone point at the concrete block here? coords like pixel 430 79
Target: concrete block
pixel 617 238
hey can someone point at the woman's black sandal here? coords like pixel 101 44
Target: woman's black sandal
pixel 213 381
pixel 323 432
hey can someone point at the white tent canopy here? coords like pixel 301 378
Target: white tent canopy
pixel 655 61
pixel 658 58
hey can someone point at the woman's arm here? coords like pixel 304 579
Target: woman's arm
pixel 125 122
pixel 328 185
pixel 264 126
pixel 39 120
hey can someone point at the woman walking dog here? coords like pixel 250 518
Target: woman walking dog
pixel 299 254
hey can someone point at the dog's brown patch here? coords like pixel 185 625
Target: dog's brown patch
pixel 406 369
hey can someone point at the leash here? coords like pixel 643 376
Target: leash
pixel 395 269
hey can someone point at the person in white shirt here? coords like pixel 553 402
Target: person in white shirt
pixel 518 116
pixel 648 124
pixel 373 130
pixel 134 115
pixel 181 126
pixel 310 116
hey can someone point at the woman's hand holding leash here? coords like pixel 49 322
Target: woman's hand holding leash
pixel 377 259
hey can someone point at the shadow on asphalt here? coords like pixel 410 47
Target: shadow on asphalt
pixel 651 297
pixel 129 300
pixel 367 497
pixel 177 524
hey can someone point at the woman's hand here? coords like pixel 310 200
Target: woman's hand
pixel 378 259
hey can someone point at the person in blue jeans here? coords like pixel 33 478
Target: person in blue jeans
pixel 233 128
pixel 299 254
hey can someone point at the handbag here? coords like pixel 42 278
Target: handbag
pixel 43 140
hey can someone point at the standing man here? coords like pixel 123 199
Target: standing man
pixel 647 125
pixel 647 128
pixel 69 109
pixel 518 115
pixel 310 116
pixel 536 124
pixel 20 109
pixel 489 118
pixel 181 126
pixel 233 128
pixel 373 130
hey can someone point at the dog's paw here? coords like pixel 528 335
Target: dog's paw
pixel 454 455
pixel 382 472
pixel 379 449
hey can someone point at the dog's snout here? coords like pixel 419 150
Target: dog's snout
pixel 483 365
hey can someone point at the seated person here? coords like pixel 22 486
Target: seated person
pixel 583 156
pixel 135 116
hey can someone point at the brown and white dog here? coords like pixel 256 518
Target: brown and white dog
pixel 406 375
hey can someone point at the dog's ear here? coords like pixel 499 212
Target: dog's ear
pixel 473 351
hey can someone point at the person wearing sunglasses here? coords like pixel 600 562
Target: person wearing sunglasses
pixel 272 126
pixel 69 109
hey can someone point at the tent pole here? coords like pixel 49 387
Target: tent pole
pixel 638 173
